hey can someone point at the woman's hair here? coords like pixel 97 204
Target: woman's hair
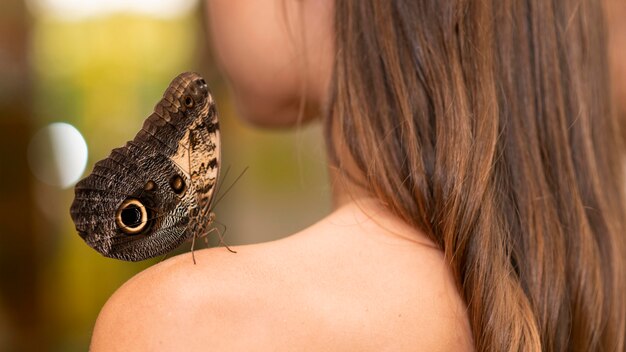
pixel 488 125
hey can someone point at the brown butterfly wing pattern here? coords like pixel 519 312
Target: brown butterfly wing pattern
pixel 149 196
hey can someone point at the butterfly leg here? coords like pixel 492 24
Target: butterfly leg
pixel 206 239
pixel 202 230
pixel 193 243
pixel 205 236
pixel 220 235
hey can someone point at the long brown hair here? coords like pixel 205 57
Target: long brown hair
pixel 488 125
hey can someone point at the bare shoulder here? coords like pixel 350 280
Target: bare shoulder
pixel 164 307
pixel 332 287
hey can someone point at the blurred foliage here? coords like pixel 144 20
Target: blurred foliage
pixel 103 75
pixel 110 69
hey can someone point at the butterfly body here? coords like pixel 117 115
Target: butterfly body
pixel 154 193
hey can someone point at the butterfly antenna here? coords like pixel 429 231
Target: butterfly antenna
pixel 217 190
pixel 230 187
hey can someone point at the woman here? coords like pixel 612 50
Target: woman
pixel 476 172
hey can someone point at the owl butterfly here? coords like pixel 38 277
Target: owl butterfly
pixel 154 193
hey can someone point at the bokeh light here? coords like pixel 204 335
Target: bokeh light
pixel 81 9
pixel 57 154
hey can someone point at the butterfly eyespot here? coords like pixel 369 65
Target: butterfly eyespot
pixel 188 102
pixel 150 186
pixel 131 217
pixel 178 184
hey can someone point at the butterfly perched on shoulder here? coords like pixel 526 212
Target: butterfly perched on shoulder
pixel 149 196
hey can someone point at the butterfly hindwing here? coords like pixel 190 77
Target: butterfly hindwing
pixel 149 196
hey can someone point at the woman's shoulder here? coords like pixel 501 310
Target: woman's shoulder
pixel 166 306
pixel 332 287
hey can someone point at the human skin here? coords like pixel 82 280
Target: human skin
pixel 274 53
pixel 359 279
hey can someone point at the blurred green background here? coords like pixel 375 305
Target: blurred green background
pixel 100 66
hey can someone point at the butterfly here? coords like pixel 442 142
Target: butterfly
pixel 149 196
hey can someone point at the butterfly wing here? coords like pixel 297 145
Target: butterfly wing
pixel 132 180
pixel 205 159
pixel 147 197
